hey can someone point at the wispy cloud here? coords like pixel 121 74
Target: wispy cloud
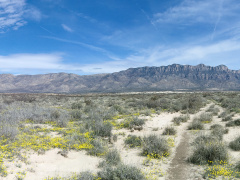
pixel 66 28
pixel 224 52
pixel 195 11
pixel 89 46
pixel 13 13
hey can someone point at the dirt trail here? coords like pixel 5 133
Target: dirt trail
pixel 179 169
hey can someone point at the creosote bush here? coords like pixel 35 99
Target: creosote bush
pixel 121 172
pixel 235 144
pixel 169 131
pixel 136 122
pixel 227 118
pixel 214 110
pixel 208 150
pixel 205 117
pixel 196 125
pixel 155 147
pixel 98 148
pixel 133 141
pixel 181 119
pixel 218 131
pixel 233 123
pixel 111 158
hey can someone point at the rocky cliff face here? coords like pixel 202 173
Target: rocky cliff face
pixel 172 77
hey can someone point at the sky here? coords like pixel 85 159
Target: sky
pixel 104 36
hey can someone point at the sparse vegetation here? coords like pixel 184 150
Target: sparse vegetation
pixel 94 123
pixel 133 141
pixel 196 125
pixel 155 147
pixel 181 119
pixel 169 131
pixel 235 144
pixel 121 172
pixel 233 123
pixel 208 150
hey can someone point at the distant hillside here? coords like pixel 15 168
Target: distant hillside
pixel 172 77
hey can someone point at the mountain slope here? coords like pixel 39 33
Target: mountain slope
pixel 172 77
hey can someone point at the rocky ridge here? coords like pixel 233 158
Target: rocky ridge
pixel 173 77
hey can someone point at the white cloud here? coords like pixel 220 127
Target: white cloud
pixel 194 11
pixel 224 52
pixel 13 13
pixel 31 61
pixel 66 28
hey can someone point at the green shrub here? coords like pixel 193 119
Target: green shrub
pixel 218 131
pixel 205 117
pixel 86 175
pixel 155 147
pixel 237 167
pixel 98 148
pixel 208 150
pixel 169 131
pixel 214 110
pixel 103 129
pixel 76 105
pixel 180 119
pixel 111 158
pixel 121 172
pixel 227 118
pixel 136 122
pixel 233 123
pixel 224 114
pixel 196 125
pixel 235 144
pixel 133 141
pixel 76 114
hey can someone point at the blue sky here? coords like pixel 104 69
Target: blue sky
pixel 104 36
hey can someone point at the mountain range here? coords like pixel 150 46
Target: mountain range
pixel 174 77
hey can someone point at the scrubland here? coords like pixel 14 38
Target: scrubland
pixel 134 136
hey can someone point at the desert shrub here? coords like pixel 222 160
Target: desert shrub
pixel 208 150
pixel 216 126
pixel 155 147
pixel 214 110
pixel 98 148
pixel 133 141
pixel 224 114
pixel 75 138
pixel 8 125
pixel 237 167
pixel 99 128
pixel 76 105
pixel 136 122
pixel 86 175
pixel 218 130
pixel 180 119
pixel 227 118
pixel 111 158
pixel 169 131
pixel 192 102
pixel 115 137
pixel 76 114
pixel 235 144
pixel 205 117
pixel 196 125
pixel 233 123
pixel 121 172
